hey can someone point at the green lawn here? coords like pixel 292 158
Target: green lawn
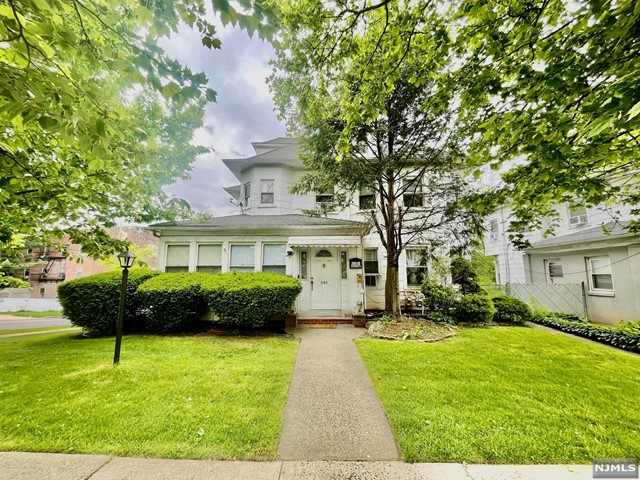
pixel 507 395
pixel 174 397
pixel 28 313
pixel 35 329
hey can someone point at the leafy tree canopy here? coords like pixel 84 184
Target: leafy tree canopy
pixel 94 118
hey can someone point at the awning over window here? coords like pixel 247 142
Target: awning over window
pixel 325 241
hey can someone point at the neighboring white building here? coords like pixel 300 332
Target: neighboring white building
pixel 606 260
pixel 339 261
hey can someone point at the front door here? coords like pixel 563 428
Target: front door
pixel 325 279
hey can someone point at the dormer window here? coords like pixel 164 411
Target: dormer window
pixel 326 196
pixel 578 217
pixel 246 195
pixel 267 189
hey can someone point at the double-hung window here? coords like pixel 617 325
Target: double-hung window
pixel 417 260
pixel 493 229
pixel 242 258
pixel 274 258
pixel 267 192
pixel 367 199
pixel 177 258
pixel 413 193
pixel 371 269
pixel 209 258
pixel 325 197
pixel 578 217
pixel 246 195
pixel 600 277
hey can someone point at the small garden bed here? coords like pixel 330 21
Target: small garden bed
pixel 407 328
pixel 625 336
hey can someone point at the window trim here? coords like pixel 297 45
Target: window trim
pixel 578 223
pixel 328 202
pixel 264 181
pixel 425 267
pixel 548 262
pixel 166 257
pixel 262 265
pixel 603 292
pixel 494 234
pixel 371 277
pixel 361 195
pixel 246 195
pixel 231 266
pixel 413 193
pixel 209 245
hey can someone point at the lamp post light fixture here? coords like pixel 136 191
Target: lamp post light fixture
pixel 126 260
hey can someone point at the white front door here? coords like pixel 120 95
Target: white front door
pixel 325 279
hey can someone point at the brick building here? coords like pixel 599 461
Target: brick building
pixel 55 267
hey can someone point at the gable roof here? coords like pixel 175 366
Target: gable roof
pixel 595 234
pixel 260 221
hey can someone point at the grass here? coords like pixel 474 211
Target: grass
pixel 35 329
pixel 28 313
pixel 507 395
pixel 171 397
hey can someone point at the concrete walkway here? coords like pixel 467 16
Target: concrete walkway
pixel 333 412
pixel 40 332
pixel 57 466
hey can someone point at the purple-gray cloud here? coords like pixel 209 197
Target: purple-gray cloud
pixel 243 113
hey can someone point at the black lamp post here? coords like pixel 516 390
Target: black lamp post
pixel 126 261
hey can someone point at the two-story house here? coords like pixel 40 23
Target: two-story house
pixel 338 259
pixel 589 246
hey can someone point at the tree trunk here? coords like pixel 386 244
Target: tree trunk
pixel 391 303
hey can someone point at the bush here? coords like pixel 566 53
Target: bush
pixel 625 337
pixel 463 275
pixel 511 310
pixel 13 282
pixel 474 309
pixel 437 298
pixel 173 302
pixel 92 302
pixel 250 299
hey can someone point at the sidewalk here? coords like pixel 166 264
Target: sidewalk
pixel 333 412
pixel 56 466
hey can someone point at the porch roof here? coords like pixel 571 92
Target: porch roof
pixel 325 241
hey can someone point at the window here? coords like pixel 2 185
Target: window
pixel 242 258
pixel 367 200
pixel 274 258
pixel 553 269
pixel 578 217
pixel 42 292
pixel 246 195
pixel 600 278
pixel 417 260
pixel 267 192
pixel 79 271
pixel 323 254
pixel 303 264
pixel 26 275
pixel 209 259
pixel 343 265
pixel 326 196
pixel 493 229
pixel 371 267
pixel 177 258
pixel 413 192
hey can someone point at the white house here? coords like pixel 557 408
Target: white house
pixel 338 259
pixel 606 260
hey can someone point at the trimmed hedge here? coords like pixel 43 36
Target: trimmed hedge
pixel 625 337
pixel 474 308
pixel 247 299
pixel 92 302
pixel 438 298
pixel 511 310
pixel 173 302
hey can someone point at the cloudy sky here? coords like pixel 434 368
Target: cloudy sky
pixel 243 113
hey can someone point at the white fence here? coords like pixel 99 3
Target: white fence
pixel 31 304
pixel 556 297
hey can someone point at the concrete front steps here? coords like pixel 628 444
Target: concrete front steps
pixel 325 321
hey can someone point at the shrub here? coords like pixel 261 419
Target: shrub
pixel 92 302
pixel 173 302
pixel 463 275
pixel 250 299
pixel 627 338
pixel 13 282
pixel 438 298
pixel 474 308
pixel 511 310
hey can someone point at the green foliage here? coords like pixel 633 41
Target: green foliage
pixel 249 300
pixel 464 275
pixel 485 268
pixel 95 118
pixel 172 302
pixel 92 302
pixel 12 282
pixel 474 308
pixel 511 310
pixel 625 338
pixel 438 298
